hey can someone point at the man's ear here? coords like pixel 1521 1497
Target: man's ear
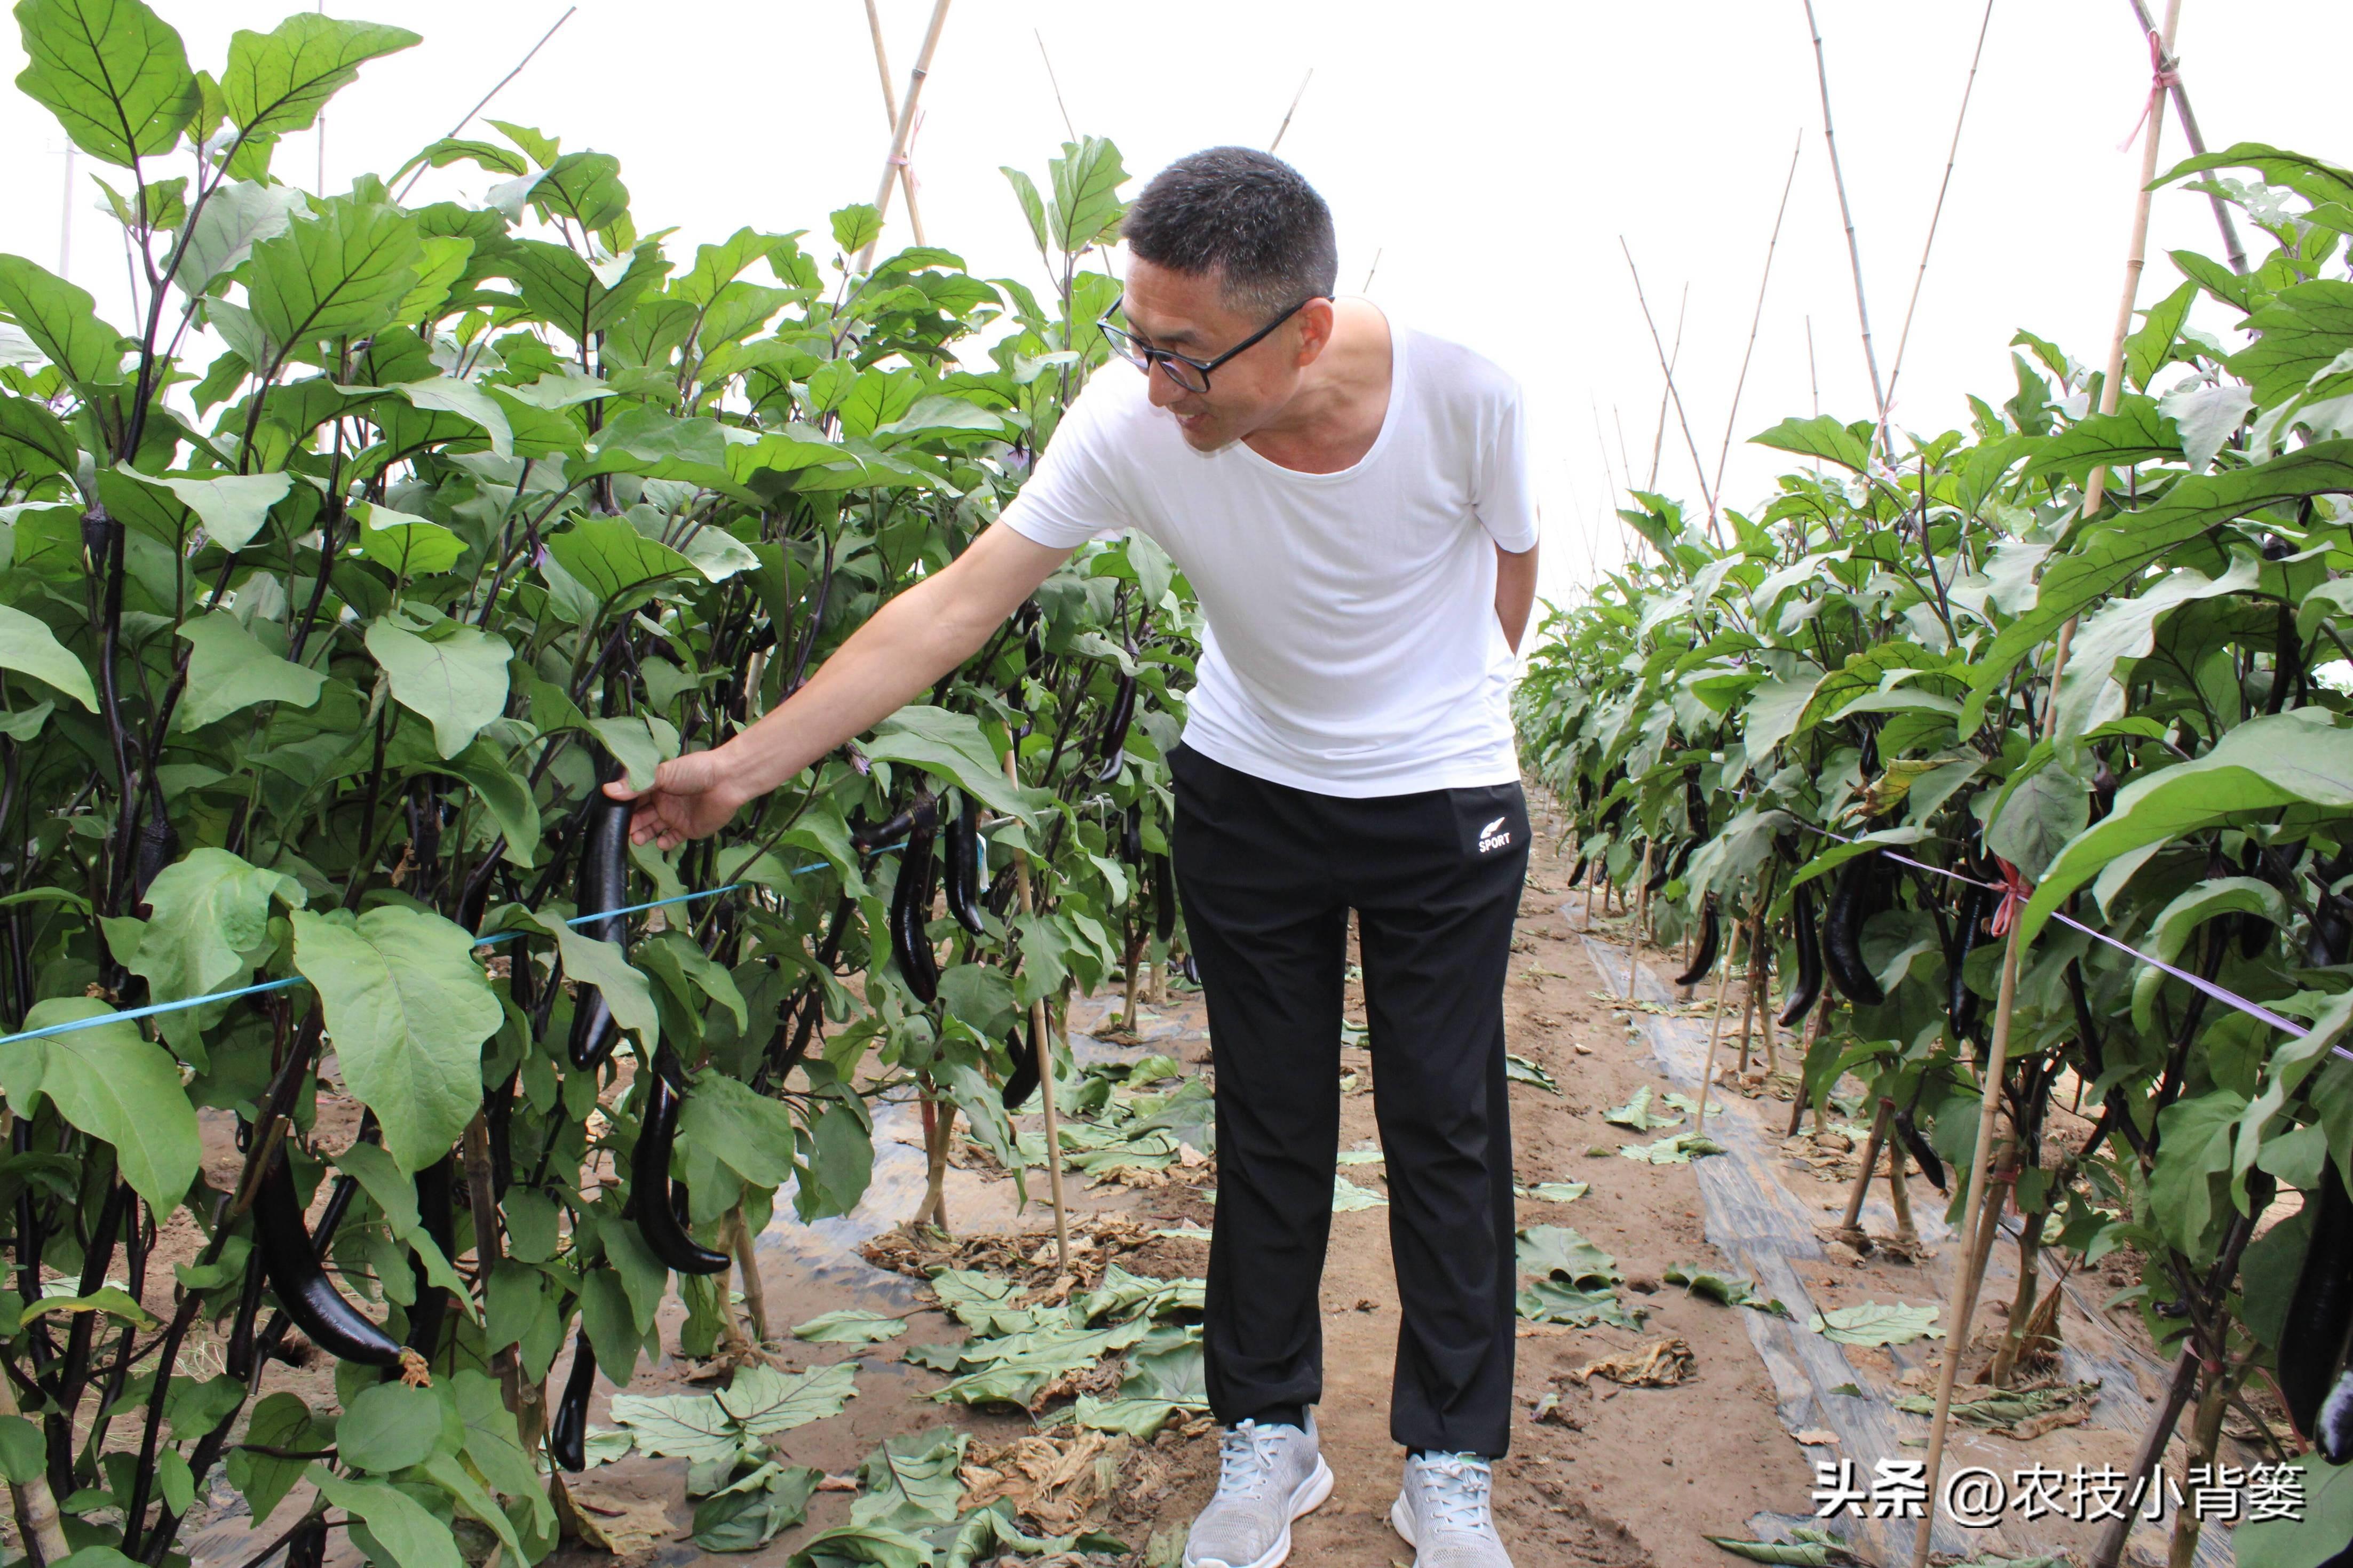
pixel 1314 321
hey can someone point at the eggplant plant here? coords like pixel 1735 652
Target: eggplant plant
pixel 1930 693
pixel 314 653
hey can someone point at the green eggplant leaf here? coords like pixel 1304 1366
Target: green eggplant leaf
pixel 407 1009
pixel 114 73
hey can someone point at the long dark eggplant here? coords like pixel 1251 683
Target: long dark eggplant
pixel 887 832
pixel 1842 933
pixel 2320 1313
pixel 961 838
pixel 2335 1438
pixel 1809 989
pixel 567 1433
pixel 1022 1083
pixel 658 1202
pixel 911 910
pixel 1112 753
pixel 1661 871
pixel 604 884
pixel 1710 929
pixel 1930 1165
pixel 432 1307
pixel 1960 1002
pixel 1131 834
pixel 1576 872
pixel 301 1280
pixel 1164 911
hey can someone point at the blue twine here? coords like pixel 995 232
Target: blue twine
pixel 129 1014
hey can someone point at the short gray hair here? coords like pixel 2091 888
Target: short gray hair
pixel 1246 217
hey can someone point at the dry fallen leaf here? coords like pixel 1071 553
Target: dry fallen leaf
pixel 621 1526
pixel 1662 1364
pixel 1815 1436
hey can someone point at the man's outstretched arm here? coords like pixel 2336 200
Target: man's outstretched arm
pixel 1515 592
pixel 909 644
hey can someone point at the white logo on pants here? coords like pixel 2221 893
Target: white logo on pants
pixel 1494 835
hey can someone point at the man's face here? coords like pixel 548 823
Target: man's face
pixel 1188 313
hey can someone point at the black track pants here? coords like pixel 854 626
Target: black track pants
pixel 1268 875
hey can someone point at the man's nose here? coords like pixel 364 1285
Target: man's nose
pixel 1164 392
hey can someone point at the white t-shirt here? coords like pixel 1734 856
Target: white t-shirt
pixel 1353 648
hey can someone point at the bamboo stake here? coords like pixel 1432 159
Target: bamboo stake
pixel 1641 908
pixel 1850 1229
pixel 2136 258
pixel 1965 1291
pixel 1292 110
pixel 1055 83
pixel 1674 358
pixel 1899 1190
pixel 1952 156
pixel 1756 318
pixel 1045 1044
pixel 1699 469
pixel 402 194
pixel 2197 141
pixel 890 112
pixel 905 129
pixel 1714 1039
pixel 1846 213
pixel 36 1504
pixel 1963 1306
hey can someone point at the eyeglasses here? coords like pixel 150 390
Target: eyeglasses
pixel 1192 375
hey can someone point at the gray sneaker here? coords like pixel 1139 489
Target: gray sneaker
pixel 1442 1512
pixel 1267 1476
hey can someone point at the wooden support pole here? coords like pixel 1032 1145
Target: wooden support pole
pixel 1045 1043
pixel 1966 1283
pixel 1850 1229
pixel 895 165
pixel 890 112
pixel 1714 1039
pixel 2135 259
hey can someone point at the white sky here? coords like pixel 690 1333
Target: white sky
pixel 1489 152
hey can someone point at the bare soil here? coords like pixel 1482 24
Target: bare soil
pixel 1600 1473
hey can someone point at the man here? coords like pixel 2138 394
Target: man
pixel 1351 502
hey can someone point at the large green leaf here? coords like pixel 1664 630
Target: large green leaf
pixel 2125 629
pixel 276 81
pixel 2299 758
pixel 590 962
pixel 209 912
pixel 408 1009
pixel 611 559
pixel 113 72
pixel 339 274
pixel 952 747
pixel 456 679
pixel 60 320
pixel 1821 437
pixel 229 670
pixel 281 1421
pixel 2302 331
pixel 746 1130
pixel 237 214
pixel 389 1427
pixel 2111 554
pixel 232 507
pixel 2136 433
pixel 2314 179
pixel 29 647
pixel 2195 1144
pixel 1086 206
pixel 409 1535
pixel 2318 1536
pixel 114 1086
